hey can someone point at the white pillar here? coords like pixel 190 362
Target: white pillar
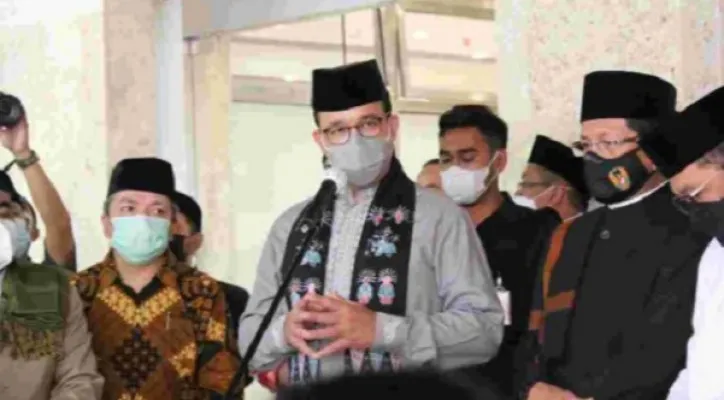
pixel 174 143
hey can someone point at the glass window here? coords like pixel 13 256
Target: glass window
pixel 276 63
pixel 449 57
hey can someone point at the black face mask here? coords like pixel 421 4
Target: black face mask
pixel 177 247
pixel 614 180
pixel 706 217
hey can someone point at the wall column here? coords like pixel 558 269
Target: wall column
pixel 548 46
pixel 209 79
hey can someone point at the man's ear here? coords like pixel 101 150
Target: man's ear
pixel 34 234
pixel 501 161
pixel 193 243
pixel 317 135
pixel 559 194
pixel 107 226
pixel 394 122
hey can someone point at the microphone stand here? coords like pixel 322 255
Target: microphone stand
pixel 243 370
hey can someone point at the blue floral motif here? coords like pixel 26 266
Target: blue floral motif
pixel 382 244
pixel 295 291
pixel 386 291
pixel 365 291
pixel 312 256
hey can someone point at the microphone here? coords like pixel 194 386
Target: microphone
pixel 334 182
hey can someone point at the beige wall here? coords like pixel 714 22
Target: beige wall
pixel 547 47
pixel 57 66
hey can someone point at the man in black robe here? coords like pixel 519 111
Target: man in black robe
pixel 612 309
pixel 553 178
pixel 473 143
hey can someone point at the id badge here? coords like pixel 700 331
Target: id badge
pixel 504 298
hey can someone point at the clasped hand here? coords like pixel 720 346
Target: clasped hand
pixel 341 323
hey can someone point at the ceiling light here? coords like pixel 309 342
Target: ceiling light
pixel 477 97
pixel 420 35
pixel 290 78
pixel 479 55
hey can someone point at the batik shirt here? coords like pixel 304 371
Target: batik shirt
pixel 453 317
pixel 169 341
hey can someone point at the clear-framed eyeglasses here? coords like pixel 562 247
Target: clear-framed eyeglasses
pixel 683 202
pixel 581 147
pixel 369 127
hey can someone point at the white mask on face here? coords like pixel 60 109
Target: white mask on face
pixel 528 202
pixel 19 235
pixel 6 247
pixel 523 201
pixel 465 186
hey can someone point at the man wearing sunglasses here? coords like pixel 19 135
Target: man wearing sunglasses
pixel 613 304
pixel 689 150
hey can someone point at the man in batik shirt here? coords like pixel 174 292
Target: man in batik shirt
pixel 159 326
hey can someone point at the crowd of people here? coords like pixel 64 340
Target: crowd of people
pixel 447 286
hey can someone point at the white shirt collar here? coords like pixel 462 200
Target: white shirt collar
pixel 573 217
pixel 637 198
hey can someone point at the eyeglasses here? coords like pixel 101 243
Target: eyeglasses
pixel 531 185
pixel 584 146
pixel 367 127
pixel 683 202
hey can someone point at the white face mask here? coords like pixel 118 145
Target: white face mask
pixel 523 201
pixel 465 186
pixel 19 236
pixel 361 159
pixel 6 247
pixel 528 202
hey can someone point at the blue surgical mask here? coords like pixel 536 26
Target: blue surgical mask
pixel 140 239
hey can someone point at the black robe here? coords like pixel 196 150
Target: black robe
pixel 236 299
pixel 514 239
pixel 633 274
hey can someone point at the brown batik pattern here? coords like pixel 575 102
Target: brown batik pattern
pixel 149 351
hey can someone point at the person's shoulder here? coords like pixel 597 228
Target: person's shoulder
pixel 195 283
pixel 234 291
pixel 34 274
pixel 433 204
pixel 283 223
pixel 87 281
pixel 545 216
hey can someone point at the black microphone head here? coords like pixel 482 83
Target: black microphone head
pixel 336 176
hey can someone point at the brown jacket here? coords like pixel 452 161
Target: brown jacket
pixel 73 377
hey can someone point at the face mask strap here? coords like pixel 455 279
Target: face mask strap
pixel 701 187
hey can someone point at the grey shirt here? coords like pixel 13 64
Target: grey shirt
pixel 454 318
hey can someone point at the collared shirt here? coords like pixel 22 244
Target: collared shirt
pixel 702 378
pixel 454 317
pixel 637 198
pixel 168 341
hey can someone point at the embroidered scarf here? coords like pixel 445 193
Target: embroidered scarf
pixel 380 273
pixel 32 311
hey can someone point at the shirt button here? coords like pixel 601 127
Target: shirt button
pixel 605 234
